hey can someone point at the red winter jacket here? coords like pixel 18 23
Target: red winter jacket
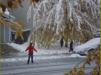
pixel 31 49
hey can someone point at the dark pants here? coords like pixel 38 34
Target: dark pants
pixel 30 56
pixel 71 50
pixel 61 43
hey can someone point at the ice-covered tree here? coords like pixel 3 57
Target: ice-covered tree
pixel 74 19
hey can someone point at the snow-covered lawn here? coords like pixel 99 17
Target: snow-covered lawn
pixel 91 44
pixel 41 51
pixel 41 54
pixel 52 53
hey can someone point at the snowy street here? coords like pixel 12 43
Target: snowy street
pixel 41 67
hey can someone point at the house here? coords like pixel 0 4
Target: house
pixel 5 31
pixel 21 16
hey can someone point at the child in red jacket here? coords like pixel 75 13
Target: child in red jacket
pixel 30 50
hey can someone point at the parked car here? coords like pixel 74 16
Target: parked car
pixel 91 45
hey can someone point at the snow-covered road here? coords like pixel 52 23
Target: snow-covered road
pixel 40 67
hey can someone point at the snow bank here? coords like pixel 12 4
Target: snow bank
pixel 18 47
pixel 41 58
pixel 92 44
pixel 75 55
